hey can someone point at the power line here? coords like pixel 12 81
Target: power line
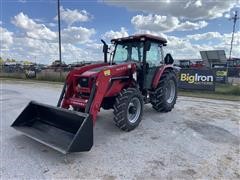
pixel 234 18
pixel 59 38
pixel 59 33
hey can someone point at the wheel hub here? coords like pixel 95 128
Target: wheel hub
pixel 134 110
pixel 170 91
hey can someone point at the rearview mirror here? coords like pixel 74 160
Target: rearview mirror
pixel 168 59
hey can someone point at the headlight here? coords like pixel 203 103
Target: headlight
pixel 83 82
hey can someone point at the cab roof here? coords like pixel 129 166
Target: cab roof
pixel 142 37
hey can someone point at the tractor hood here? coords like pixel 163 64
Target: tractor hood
pixel 93 72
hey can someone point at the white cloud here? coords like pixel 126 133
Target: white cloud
pixel 6 38
pixel 227 15
pixel 186 26
pixel 189 9
pixel 76 35
pixel 88 53
pixel 37 40
pixel 116 34
pixel 198 3
pixel 33 29
pixel 154 22
pixel 185 48
pixel 223 39
pixel 94 45
pixel 180 48
pixel 227 39
pixel 72 16
pixel 204 36
pixel 164 24
pixel 25 48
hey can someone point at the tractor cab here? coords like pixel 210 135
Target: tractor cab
pixel 144 50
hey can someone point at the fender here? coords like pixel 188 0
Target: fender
pixel 159 74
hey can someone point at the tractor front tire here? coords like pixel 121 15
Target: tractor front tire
pixel 128 109
pixel 165 95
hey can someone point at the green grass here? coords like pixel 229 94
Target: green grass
pixel 222 91
pixel 51 78
pixel 227 89
pixel 43 76
pixel 13 75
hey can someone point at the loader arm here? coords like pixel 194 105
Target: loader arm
pixel 101 87
pixel 105 85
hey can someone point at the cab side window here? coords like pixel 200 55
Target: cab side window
pixel 137 52
pixel 153 55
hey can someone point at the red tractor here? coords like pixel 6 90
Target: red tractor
pixel 137 74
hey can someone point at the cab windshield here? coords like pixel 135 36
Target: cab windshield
pixel 128 51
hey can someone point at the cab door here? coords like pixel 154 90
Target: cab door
pixel 153 62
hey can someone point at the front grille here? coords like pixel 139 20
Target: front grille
pixel 83 82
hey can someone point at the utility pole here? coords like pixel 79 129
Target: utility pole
pixel 59 38
pixel 234 18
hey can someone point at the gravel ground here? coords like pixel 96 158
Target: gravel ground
pixel 200 138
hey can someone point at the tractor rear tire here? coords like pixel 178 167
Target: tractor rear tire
pixel 165 95
pixel 128 109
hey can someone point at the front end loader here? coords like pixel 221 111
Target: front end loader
pixel 137 74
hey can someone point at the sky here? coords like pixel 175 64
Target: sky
pixel 29 31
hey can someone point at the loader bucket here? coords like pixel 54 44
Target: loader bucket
pixel 63 130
